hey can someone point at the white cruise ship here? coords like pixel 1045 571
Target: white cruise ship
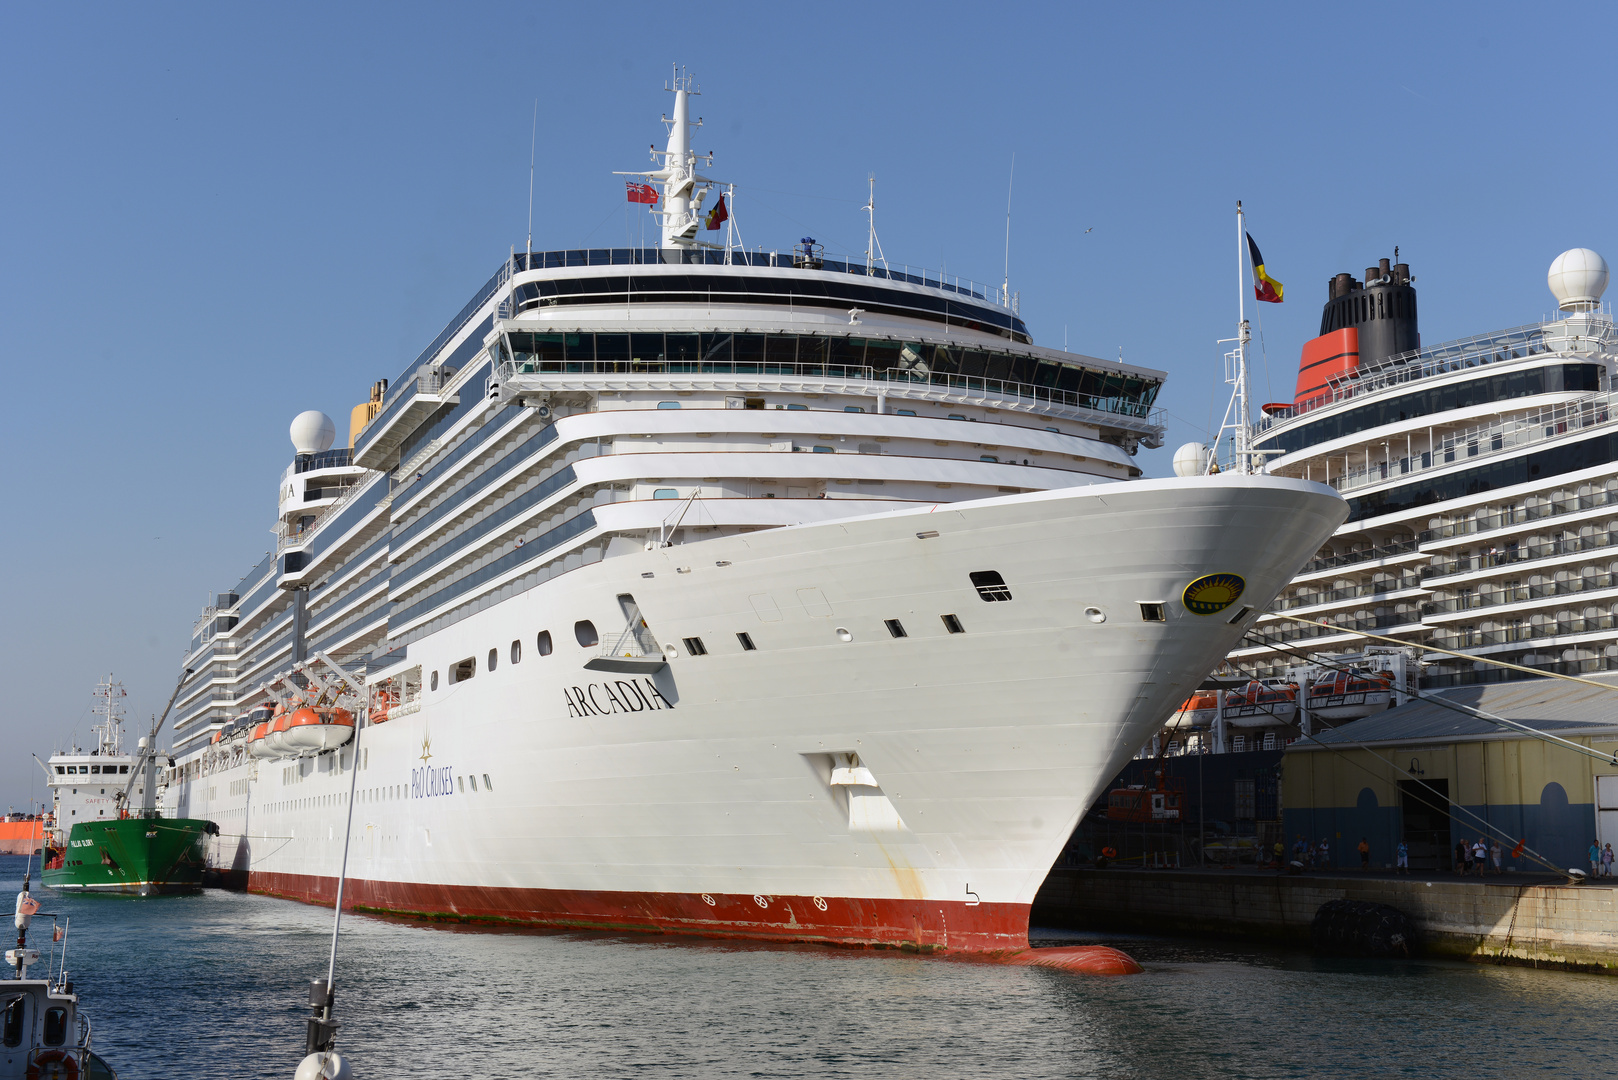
pixel 1481 476
pixel 708 590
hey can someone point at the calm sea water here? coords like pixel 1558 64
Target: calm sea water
pixel 214 985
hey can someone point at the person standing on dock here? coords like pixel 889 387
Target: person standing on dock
pixel 1595 858
pixel 1480 855
pixel 1460 856
pixel 1323 855
pixel 1365 854
pixel 1401 861
pixel 1606 861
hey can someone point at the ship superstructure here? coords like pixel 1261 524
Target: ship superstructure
pixel 1482 482
pixel 719 590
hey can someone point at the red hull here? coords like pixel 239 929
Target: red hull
pixel 925 925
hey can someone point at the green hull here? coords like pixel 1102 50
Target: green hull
pixel 138 856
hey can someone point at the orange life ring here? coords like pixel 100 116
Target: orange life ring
pixel 54 1065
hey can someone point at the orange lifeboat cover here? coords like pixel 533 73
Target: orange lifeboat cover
pixel 302 718
pixel 281 721
pixel 261 731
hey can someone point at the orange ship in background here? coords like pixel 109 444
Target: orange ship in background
pixel 21 834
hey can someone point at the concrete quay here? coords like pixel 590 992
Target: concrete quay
pixel 1514 918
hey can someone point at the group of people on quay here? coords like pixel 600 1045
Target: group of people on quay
pixel 1600 859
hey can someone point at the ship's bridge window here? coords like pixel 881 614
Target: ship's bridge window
pixel 668 404
pixel 55 1026
pixel 665 493
pixel 123 768
pixel 797 408
pixel 60 770
pixel 905 412
pixel 853 408
pixel 990 585
pixel 464 670
pixel 584 631
pixel 543 643
pixel 12 1027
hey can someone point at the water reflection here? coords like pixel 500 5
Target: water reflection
pixel 213 985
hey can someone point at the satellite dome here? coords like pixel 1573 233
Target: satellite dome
pixel 313 432
pixel 1191 460
pixel 1577 279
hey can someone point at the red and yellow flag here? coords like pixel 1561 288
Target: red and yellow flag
pixel 1265 287
pixel 718 215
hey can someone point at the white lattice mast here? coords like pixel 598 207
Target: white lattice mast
pixel 873 246
pixel 1237 421
pixel 682 200
pixel 109 707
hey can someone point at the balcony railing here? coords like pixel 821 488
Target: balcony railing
pixel 1518 594
pixel 1527 553
pixel 957 385
pixel 1467 638
pixel 1349 592
pixel 1524 429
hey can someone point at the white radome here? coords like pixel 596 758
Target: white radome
pixel 313 432
pixel 1577 279
pixel 1191 459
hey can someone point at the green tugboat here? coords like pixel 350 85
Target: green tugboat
pixel 105 832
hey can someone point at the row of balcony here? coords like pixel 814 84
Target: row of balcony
pixel 1518 594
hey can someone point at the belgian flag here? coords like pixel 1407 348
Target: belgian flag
pixel 1265 287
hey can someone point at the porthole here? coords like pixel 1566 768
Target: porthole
pixel 516 652
pixel 1095 614
pixel 584 631
pixel 543 643
pixel 488 785
pixel 843 634
pixel 464 670
pixel 432 683
pixel 494 659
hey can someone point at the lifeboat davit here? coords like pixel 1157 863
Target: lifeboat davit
pixel 1349 695
pixel 257 745
pixel 310 731
pixel 381 706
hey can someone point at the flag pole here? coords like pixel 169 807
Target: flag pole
pixel 1240 433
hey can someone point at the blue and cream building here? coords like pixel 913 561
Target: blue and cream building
pixel 1431 776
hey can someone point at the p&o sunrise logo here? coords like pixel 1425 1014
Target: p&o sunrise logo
pixel 1212 593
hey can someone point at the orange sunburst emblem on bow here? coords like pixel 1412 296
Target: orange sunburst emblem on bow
pixel 1212 593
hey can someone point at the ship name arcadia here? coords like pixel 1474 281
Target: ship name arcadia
pixel 605 698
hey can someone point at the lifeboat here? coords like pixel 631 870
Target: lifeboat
pixel 1197 712
pixel 1256 705
pixel 257 745
pixel 275 735
pixel 1349 695
pixel 309 731
pixel 1260 705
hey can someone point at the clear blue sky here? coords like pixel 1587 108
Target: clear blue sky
pixel 215 216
